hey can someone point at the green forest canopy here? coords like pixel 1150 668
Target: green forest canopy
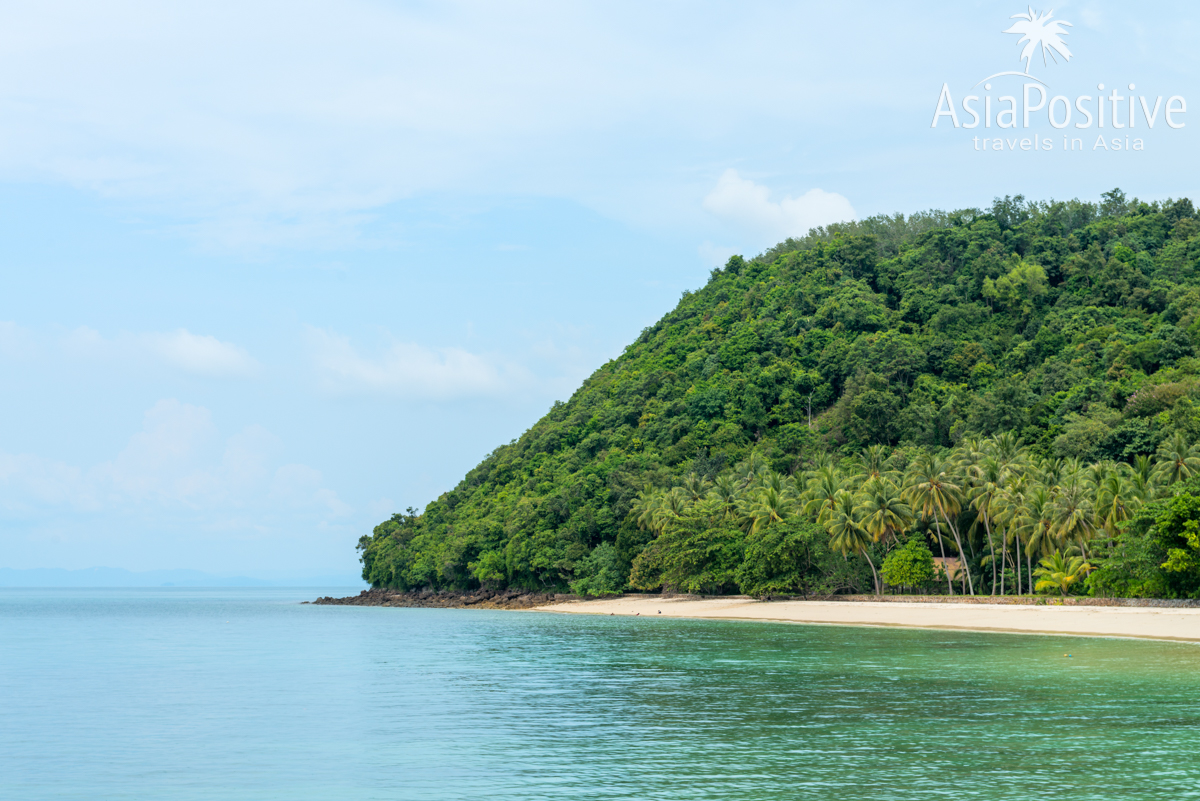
pixel 780 429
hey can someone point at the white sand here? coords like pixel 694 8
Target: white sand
pixel 1093 621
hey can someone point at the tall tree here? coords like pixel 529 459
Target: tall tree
pixel 847 534
pixel 931 491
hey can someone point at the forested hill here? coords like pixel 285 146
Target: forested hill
pixel 1070 325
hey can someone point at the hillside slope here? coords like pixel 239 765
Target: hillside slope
pixel 1072 326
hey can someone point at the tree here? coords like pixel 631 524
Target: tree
pixel 986 487
pixel 910 566
pixel 1116 502
pixel 825 487
pixel 847 534
pixel 770 505
pixel 1018 290
pixel 1177 460
pixel 1060 573
pixel 882 510
pixel 783 559
pixel 935 497
pixel 1157 553
pixel 600 573
pixel 1072 515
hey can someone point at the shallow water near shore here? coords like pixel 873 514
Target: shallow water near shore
pixel 246 694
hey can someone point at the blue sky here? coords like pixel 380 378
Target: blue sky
pixel 276 270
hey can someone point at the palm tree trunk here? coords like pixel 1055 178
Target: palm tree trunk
pixel 1003 561
pixel 1018 563
pixel 987 527
pixel 874 575
pixel 962 555
pixel 942 548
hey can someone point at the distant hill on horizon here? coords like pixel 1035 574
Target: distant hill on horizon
pixel 119 577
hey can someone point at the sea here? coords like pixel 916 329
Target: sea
pixel 245 693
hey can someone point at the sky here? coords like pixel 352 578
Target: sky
pixel 274 271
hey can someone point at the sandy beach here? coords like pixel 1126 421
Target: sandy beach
pixel 1085 621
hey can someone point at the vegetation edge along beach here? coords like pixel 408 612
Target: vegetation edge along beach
pixel 986 402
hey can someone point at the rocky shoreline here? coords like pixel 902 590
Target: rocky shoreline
pixel 428 599
pixel 517 599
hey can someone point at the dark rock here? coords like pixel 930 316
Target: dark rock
pixel 428 599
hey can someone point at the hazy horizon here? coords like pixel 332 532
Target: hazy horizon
pixel 106 577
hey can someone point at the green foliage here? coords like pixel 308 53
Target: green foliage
pixel 791 558
pixel 1070 325
pixel 1157 554
pixel 1058 573
pixel 690 556
pixel 910 566
pixel 1019 290
pixel 600 573
pixel 1131 567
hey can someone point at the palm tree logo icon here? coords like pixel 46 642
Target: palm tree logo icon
pixel 1038 30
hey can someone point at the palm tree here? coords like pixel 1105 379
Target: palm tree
pixel 1008 513
pixel 824 488
pixel 1116 502
pixel 749 471
pixel 671 506
pixel 821 461
pixel 696 486
pixel 1035 523
pixel 989 480
pixel 1050 472
pixel 1071 468
pixel 1010 452
pixel 771 480
pixel 1143 466
pixel 726 494
pixel 936 497
pixel 1177 461
pixel 882 509
pixel 767 507
pixel 874 461
pixel 1072 512
pixel 846 533
pixel 1097 473
pixel 1057 573
pixel 968 452
pixel 1037 505
pixel 645 510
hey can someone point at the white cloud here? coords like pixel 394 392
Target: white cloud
pixel 177 459
pixel 199 354
pixel 406 370
pixel 748 206
pixel 267 123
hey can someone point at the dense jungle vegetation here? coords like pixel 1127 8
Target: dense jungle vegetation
pixel 982 401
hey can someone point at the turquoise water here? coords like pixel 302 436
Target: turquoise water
pixel 245 694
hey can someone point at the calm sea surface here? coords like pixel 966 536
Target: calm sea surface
pixel 245 694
